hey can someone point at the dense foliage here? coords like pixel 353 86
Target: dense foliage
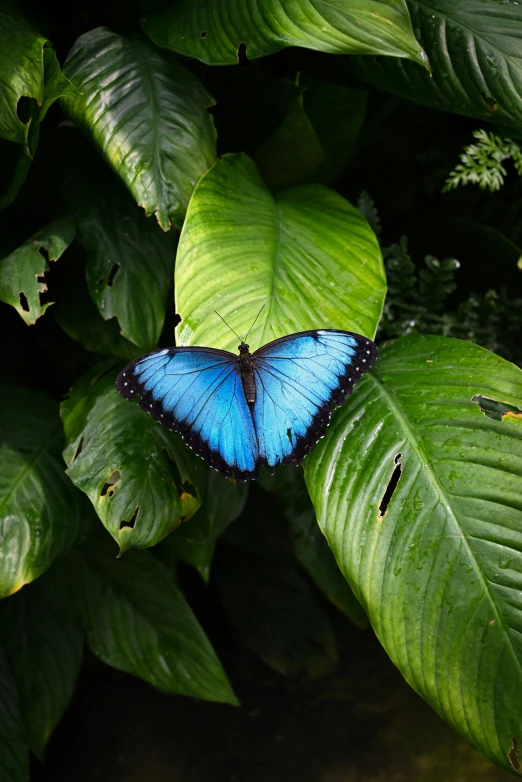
pixel 316 172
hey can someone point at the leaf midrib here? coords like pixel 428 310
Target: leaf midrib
pixel 395 407
pixel 28 465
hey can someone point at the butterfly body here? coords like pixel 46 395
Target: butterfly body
pixel 239 412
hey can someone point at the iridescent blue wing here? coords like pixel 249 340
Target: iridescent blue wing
pixel 198 392
pixel 299 381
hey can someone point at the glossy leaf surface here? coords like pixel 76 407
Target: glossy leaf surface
pixel 22 273
pixel 139 622
pixel 141 479
pixel 44 646
pixel 418 492
pixel 214 31
pixel 147 116
pixel 305 253
pixel 474 51
pixel 39 511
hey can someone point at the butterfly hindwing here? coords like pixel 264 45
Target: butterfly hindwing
pixel 299 381
pixel 198 392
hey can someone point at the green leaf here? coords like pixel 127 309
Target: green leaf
pixel 14 758
pixel 139 622
pixel 317 137
pixel 474 52
pixel 81 321
pixel 310 545
pixel 274 611
pixel 22 69
pixel 142 480
pixel 418 493
pixel 216 31
pixel 147 116
pixel 22 273
pixel 304 253
pixel 18 177
pixel 56 85
pixel 194 542
pixel 39 509
pixel 130 260
pixel 44 646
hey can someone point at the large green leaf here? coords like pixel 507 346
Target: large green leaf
pixel 304 253
pixel 142 480
pixel 474 50
pixel 14 757
pixel 39 509
pixel 216 31
pixel 275 612
pixel 139 622
pixel 130 260
pixel 146 114
pixel 22 273
pixel 44 646
pixel 434 552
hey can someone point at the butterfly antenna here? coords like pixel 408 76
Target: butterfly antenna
pixel 254 323
pixel 226 324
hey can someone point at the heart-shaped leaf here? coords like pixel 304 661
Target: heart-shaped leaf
pixel 142 480
pixel 139 622
pixel 39 509
pixel 474 51
pixel 305 254
pixel 22 273
pixel 44 646
pixel 147 116
pixel 216 31
pixel 417 487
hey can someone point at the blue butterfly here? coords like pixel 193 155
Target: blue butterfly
pixel 238 413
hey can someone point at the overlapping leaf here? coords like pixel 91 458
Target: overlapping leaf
pixel 474 51
pixel 22 273
pixel 215 31
pixel 142 480
pixel 39 509
pixel 305 254
pixel 129 259
pixel 44 646
pixel 138 621
pixel 417 488
pixel 275 612
pixel 146 114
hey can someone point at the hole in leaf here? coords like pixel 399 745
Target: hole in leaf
pixel 40 278
pixel 241 54
pixel 392 485
pixel 490 102
pixel 112 274
pixel 203 35
pixel 132 522
pixel 112 480
pixel 173 469
pixel 24 109
pixel 189 488
pixel 78 451
pixel 24 304
pixel 177 319
pixel 495 410
pixel 513 754
pixel 43 252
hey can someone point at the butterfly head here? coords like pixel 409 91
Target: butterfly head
pixel 243 348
